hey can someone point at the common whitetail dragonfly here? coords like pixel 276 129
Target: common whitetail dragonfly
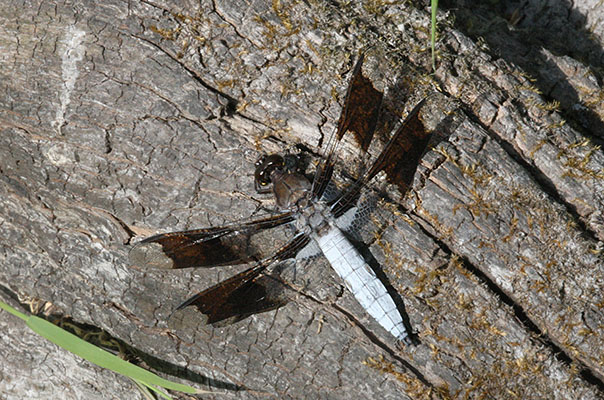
pixel 310 210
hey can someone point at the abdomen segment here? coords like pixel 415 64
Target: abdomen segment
pixel 360 279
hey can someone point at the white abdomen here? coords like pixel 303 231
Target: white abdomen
pixel 361 281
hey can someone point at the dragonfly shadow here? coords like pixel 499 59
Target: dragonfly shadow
pixel 442 130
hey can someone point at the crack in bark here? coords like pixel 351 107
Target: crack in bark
pixel 542 180
pixel 586 372
pixel 369 335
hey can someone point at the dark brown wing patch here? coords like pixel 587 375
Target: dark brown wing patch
pixel 228 245
pixel 399 160
pixel 400 157
pixel 244 294
pixel 359 118
pixel 249 292
pixel 361 108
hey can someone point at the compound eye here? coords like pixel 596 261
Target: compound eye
pixel 264 168
pixel 260 161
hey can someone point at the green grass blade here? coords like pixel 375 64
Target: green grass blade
pixel 96 355
pixel 434 8
pixel 145 391
pixel 99 356
pixel 144 388
pixel 11 310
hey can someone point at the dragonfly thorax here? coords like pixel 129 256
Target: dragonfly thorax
pixel 290 189
pixel 314 218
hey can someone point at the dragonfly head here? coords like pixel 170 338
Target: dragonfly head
pixel 265 167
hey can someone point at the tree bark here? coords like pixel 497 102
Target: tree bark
pixel 124 119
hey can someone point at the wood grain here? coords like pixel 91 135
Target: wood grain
pixel 147 117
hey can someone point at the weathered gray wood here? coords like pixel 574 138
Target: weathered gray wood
pixel 34 368
pixel 148 117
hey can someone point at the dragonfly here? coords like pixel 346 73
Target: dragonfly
pixel 311 209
